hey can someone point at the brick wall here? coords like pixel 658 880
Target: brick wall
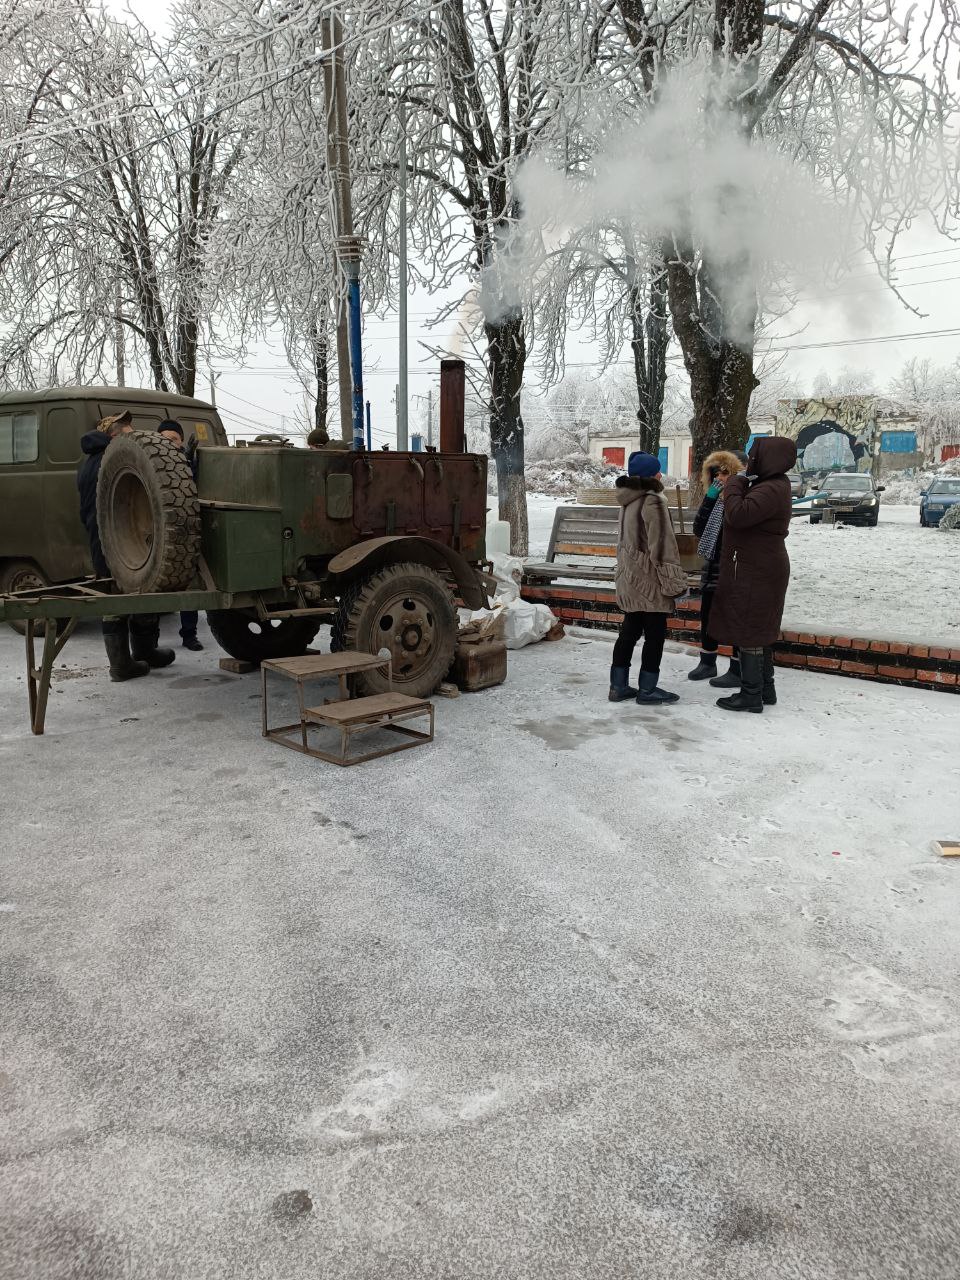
pixel 919 666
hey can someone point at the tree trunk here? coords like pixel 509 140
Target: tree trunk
pixel 506 355
pixel 321 368
pixel 720 369
pixel 648 321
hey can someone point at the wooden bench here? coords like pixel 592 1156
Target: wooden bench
pixel 583 536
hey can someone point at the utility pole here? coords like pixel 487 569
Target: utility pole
pixel 119 353
pixel 338 169
pixel 213 386
pixel 402 424
pixel 430 416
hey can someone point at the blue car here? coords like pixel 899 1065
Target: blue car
pixel 936 501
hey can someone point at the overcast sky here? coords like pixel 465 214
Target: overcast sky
pixel 862 308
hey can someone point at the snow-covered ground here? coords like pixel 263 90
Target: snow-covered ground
pixel 897 581
pixel 579 991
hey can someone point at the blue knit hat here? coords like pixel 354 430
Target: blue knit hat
pixel 643 466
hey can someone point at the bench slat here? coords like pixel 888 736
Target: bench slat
pixel 583 549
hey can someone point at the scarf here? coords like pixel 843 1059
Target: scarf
pixel 711 534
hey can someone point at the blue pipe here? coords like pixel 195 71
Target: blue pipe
pixel 356 357
pixel 369 430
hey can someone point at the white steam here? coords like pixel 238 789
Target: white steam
pixel 684 175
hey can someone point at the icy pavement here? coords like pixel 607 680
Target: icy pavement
pixel 578 991
pixel 897 581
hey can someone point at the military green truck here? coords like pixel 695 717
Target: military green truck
pixel 271 541
pixel 41 538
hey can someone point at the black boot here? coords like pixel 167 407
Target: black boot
pixel 730 678
pixel 706 668
pixel 750 697
pixel 769 688
pixel 192 643
pixel 144 634
pixel 620 690
pixel 649 694
pixel 116 641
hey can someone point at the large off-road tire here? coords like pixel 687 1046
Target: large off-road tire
pixel 148 513
pixel 406 610
pixel 245 636
pixel 23 575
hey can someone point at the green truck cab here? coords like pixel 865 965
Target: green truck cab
pixel 41 538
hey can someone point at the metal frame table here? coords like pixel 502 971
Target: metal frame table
pixel 313 666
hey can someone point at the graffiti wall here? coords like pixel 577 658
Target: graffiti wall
pixel 846 425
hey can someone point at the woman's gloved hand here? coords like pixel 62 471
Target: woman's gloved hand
pixel 715 490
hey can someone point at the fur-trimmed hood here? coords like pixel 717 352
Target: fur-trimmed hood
pixel 723 460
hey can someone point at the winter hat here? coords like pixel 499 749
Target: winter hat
pixel 170 425
pixel 643 466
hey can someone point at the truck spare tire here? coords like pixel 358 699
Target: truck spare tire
pixel 148 514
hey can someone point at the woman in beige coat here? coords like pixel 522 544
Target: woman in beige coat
pixel 649 577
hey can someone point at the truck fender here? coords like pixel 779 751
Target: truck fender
pixel 377 553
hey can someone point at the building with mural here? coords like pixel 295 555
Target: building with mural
pixel 846 433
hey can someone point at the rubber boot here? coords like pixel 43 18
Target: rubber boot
pixel 750 697
pixel 620 690
pixel 116 641
pixel 769 688
pixel 144 634
pixel 191 642
pixel 649 694
pixel 730 678
pixel 706 668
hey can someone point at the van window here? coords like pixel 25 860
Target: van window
pixel 19 437
pixel 63 435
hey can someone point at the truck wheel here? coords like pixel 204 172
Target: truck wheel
pixel 406 610
pixel 148 514
pixel 23 575
pixel 251 639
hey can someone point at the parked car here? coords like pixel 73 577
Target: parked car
pixel 798 486
pixel 852 497
pixel 936 501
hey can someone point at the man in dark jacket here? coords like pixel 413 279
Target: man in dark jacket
pixel 139 632
pixel 708 527
pixel 755 568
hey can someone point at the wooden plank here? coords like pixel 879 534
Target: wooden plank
pixel 323 664
pixel 584 549
pixel 356 710
pixel 578 572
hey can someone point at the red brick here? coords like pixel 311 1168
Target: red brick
pixel 569 613
pixel 612 618
pixel 936 677
pixel 726 650
pixel 805 637
pixel 897 646
pixel 824 664
pixel 897 673
pixel 842 642
pixel 919 651
pixel 789 637
pixel 825 640
pixel 791 660
pixel 859 668
pixel 940 653
pixel 879 646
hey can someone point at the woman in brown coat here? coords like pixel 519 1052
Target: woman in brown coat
pixel 755 568
pixel 649 577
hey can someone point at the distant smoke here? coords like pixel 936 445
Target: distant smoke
pixel 683 173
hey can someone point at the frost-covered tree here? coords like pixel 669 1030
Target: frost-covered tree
pixel 932 392
pixel 135 146
pixel 484 84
